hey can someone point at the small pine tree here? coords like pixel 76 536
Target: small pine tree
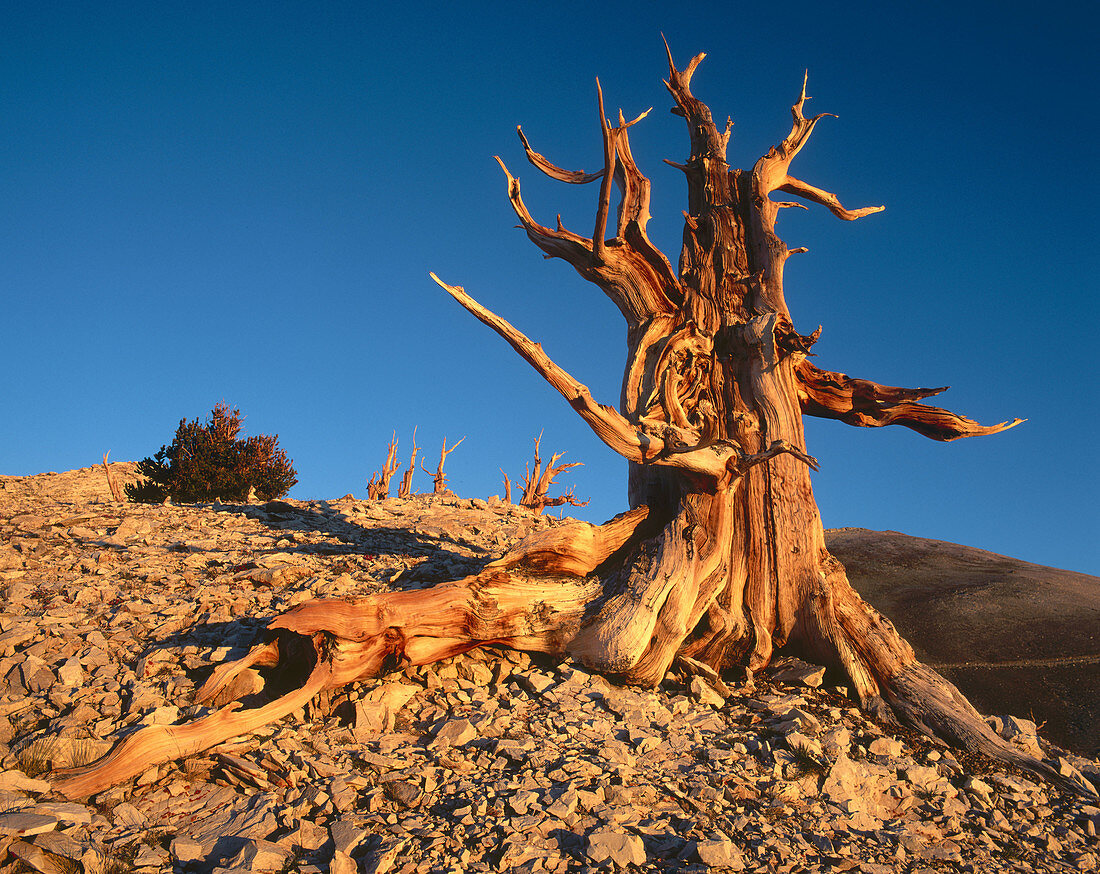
pixel 208 460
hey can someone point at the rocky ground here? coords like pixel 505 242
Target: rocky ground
pixel 112 614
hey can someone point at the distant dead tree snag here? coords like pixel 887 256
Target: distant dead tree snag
pixel 112 482
pixel 721 560
pixel 405 489
pixel 537 482
pixel 439 479
pixel 378 488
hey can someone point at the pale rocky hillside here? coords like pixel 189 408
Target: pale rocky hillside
pixel 111 615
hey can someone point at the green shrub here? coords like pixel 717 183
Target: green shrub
pixel 208 460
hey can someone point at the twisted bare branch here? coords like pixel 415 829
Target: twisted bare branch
pixel 574 177
pixel 866 404
pixel 771 171
pixel 642 442
pixel 633 272
pixel 824 198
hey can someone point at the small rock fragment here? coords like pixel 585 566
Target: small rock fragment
pixel 456 732
pixel 259 855
pixel 20 824
pixel 347 836
pixel 381 859
pixel 886 746
pixel 185 851
pixel 704 693
pixel 342 863
pixel 20 782
pixel 796 672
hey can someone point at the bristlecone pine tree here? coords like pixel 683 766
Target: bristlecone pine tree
pixel 210 460
pixel 721 560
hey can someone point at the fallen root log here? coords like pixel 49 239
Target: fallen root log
pixel 156 744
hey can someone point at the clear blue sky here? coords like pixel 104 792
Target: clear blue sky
pixel 242 201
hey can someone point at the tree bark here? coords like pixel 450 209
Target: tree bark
pixel 721 560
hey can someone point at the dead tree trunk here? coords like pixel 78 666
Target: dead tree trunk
pixel 378 488
pixel 439 478
pixel 722 559
pixel 405 489
pixel 537 482
pixel 112 483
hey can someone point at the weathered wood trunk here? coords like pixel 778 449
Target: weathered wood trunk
pixel 537 482
pixel 405 489
pixel 439 479
pixel 721 560
pixel 378 488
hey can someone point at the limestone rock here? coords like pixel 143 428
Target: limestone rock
pixel 38 859
pixel 24 824
pixel 259 855
pixel 704 693
pixel 380 860
pixel 347 836
pixel 455 732
pixel 13 779
pixel 886 747
pixel 795 672
pixel 615 849
pixel 720 853
pixel 342 863
pixel 185 851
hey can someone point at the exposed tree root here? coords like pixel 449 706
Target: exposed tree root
pixel 155 744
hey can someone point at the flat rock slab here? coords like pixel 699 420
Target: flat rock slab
pixel 225 831
pixel 22 825
pixel 615 849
